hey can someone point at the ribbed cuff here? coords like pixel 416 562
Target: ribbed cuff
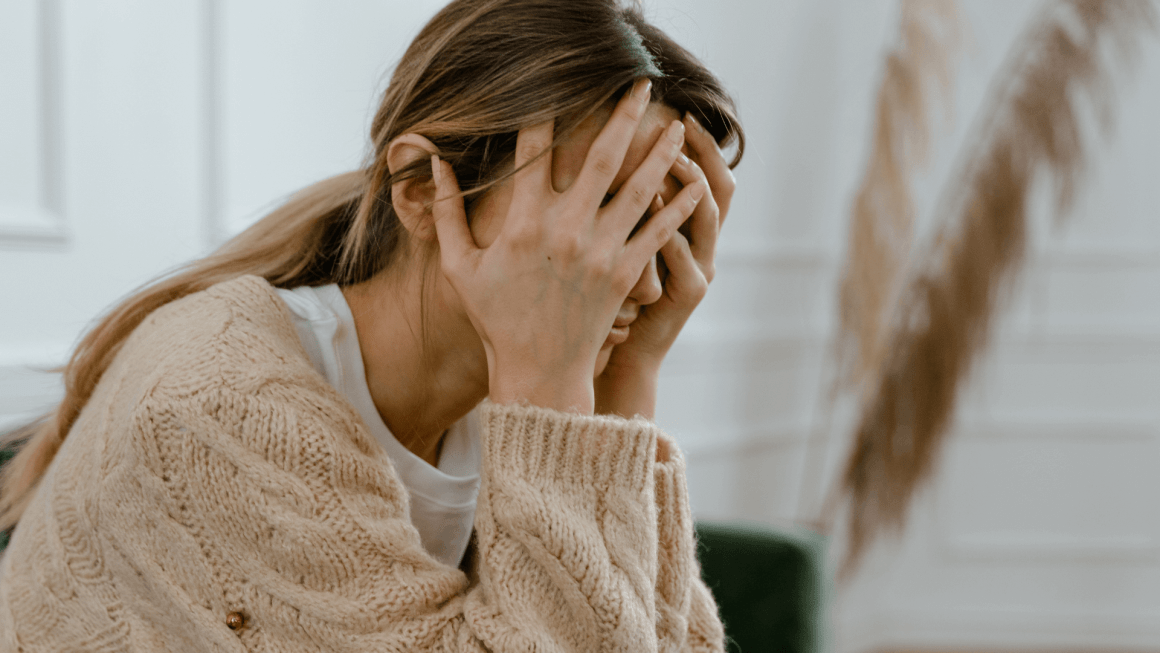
pixel 548 447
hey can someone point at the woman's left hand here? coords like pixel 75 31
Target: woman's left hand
pixel 628 384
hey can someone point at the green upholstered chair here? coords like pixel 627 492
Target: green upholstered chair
pixel 6 453
pixel 768 584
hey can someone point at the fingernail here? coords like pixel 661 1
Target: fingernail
pixel 682 158
pixel 676 132
pixel 696 125
pixel 643 89
pixel 698 192
pixel 436 172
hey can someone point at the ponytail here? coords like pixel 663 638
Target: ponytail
pixel 542 61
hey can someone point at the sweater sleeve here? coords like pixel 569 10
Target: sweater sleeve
pixel 687 616
pixel 287 530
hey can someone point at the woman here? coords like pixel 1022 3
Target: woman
pixel 409 409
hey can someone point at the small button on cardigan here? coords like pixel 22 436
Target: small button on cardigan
pixel 215 479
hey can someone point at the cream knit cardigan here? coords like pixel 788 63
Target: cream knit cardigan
pixel 214 474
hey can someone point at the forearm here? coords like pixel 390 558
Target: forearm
pixel 570 497
pixel 565 526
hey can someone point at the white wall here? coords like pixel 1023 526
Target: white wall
pixel 135 135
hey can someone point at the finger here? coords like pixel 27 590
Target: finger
pixel 661 226
pixel 685 277
pixel 451 228
pixel 534 159
pixel 705 222
pixel 708 155
pixel 607 152
pixel 658 204
pixel 634 198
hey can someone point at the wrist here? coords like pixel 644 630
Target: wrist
pixel 628 391
pixel 565 392
pixel 633 367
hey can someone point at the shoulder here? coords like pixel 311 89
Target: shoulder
pixel 230 352
pixel 246 304
pixel 233 331
pixel 230 359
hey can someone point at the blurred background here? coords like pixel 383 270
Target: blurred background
pixel 137 135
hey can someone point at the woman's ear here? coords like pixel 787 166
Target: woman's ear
pixel 412 198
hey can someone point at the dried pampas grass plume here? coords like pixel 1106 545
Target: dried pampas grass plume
pixel 882 216
pixel 945 313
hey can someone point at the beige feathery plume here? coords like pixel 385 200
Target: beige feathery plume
pixel 882 216
pixel 946 311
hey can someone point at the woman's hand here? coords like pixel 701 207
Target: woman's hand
pixel 628 384
pixel 543 296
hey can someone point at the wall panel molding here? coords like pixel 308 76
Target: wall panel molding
pixel 213 220
pixel 751 439
pixel 999 629
pixel 37 216
pixel 1065 515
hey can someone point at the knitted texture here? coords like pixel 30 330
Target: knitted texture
pixel 214 477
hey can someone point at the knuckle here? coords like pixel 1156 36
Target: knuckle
pixel 700 174
pixel 568 245
pixel 690 203
pixel 638 197
pixel 600 264
pixel 604 165
pixel 710 272
pixel 730 182
pixel 699 291
pixel 525 234
pixel 662 236
pixel 632 110
pixel 528 150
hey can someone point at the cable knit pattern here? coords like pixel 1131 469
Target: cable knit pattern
pixel 214 472
pixel 687 618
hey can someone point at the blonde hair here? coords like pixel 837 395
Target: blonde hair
pixel 476 74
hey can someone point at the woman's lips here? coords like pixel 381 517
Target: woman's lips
pixel 619 332
pixel 617 335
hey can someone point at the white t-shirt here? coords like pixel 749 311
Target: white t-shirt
pixel 442 498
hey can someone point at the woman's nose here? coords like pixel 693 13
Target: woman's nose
pixel 648 288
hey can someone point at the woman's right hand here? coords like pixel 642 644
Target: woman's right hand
pixel 543 296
